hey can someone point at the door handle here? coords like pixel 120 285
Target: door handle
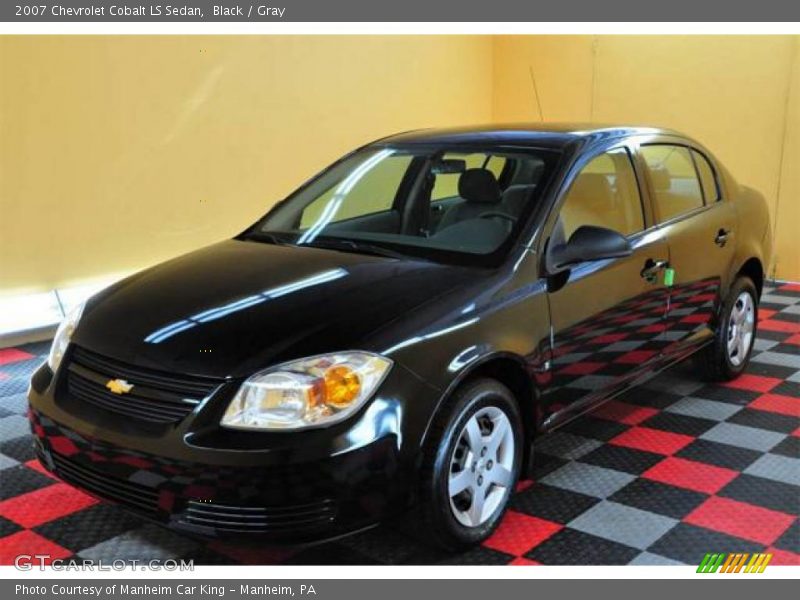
pixel 722 237
pixel 652 268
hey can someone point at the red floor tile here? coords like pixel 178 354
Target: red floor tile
pixel 252 555
pixel 740 519
pixel 782 558
pixel 753 383
pixel 652 440
pixel 524 562
pixel 524 484
pixel 634 357
pixel 581 368
pixel 794 339
pixel 765 313
pixel 519 533
pixel 28 542
pixel 790 287
pixel 785 405
pixel 622 412
pixel 37 466
pixel 608 338
pixel 10 355
pixel 691 475
pixel 775 325
pixel 44 505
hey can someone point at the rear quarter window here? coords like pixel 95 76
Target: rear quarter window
pixel 708 178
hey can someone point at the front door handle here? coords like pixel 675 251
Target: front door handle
pixel 722 237
pixel 652 268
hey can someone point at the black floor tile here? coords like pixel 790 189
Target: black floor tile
pixel 676 423
pixel 552 503
pixel 572 547
pixel 689 543
pixel 88 527
pixel 765 493
pixel 19 480
pixel 762 419
pixel 659 498
pixel 620 458
pixel 719 455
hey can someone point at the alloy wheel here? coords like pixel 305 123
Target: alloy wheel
pixel 740 328
pixel 482 467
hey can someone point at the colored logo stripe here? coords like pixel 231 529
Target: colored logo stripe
pixel 733 563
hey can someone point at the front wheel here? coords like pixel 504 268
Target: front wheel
pixel 471 463
pixel 729 354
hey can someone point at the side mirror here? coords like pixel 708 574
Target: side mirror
pixel 588 243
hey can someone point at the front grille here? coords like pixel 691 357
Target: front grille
pixel 156 396
pixel 132 495
pixel 244 519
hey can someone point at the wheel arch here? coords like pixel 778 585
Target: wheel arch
pixel 512 371
pixel 753 269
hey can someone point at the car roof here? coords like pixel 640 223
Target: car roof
pixel 547 135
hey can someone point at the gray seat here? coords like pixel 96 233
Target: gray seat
pixel 480 193
pixel 515 197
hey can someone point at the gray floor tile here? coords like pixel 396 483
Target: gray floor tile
pixel 623 524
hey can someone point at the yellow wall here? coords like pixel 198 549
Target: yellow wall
pixel 119 152
pixel 730 92
pixel 787 236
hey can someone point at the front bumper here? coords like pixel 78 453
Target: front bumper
pixel 287 487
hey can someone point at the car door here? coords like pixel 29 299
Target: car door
pixel 607 316
pixel 699 228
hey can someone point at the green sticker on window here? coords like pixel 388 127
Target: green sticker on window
pixel 669 276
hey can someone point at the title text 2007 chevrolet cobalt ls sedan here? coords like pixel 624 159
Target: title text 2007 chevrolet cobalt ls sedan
pixel 394 335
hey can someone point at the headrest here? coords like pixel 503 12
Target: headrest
pixel 593 188
pixel 661 179
pixel 479 185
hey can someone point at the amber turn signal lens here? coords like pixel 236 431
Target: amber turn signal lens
pixel 342 386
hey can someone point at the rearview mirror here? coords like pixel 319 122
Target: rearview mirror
pixel 588 243
pixel 449 165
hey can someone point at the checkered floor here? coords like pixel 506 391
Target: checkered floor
pixel 670 471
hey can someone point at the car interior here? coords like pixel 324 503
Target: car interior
pixel 466 203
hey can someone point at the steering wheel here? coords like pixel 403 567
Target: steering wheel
pixel 497 214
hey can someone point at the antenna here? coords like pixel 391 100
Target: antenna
pixel 536 93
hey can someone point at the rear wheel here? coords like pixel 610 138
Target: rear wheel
pixel 470 465
pixel 729 354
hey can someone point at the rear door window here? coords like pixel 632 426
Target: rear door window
pixel 674 179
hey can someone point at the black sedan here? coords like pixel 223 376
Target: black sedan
pixel 391 338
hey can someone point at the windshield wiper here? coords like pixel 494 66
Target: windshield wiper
pixel 347 245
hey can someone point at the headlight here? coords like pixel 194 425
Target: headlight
pixel 63 336
pixel 311 392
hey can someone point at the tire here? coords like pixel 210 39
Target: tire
pixel 718 362
pixel 449 459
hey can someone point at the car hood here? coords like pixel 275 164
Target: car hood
pixel 236 307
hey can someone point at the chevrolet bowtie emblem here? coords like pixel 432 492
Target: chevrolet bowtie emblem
pixel 119 386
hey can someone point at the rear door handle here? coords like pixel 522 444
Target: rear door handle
pixel 652 268
pixel 722 237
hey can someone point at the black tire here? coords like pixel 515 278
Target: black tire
pixel 714 361
pixel 435 521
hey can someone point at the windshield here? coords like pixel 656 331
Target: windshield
pixel 434 203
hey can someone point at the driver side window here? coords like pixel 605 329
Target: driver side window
pixel 604 194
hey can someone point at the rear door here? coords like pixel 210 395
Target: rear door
pixel 699 227
pixel 607 316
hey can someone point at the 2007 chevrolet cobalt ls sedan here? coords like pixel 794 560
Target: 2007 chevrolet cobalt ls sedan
pixel 392 337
